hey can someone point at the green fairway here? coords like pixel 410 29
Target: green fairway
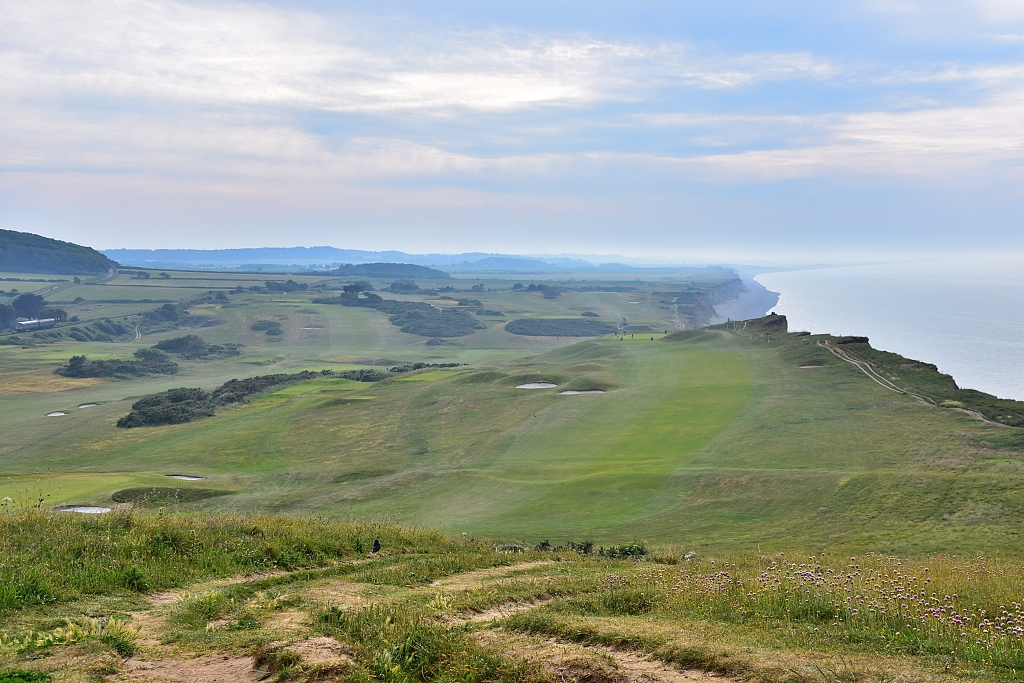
pixel 715 438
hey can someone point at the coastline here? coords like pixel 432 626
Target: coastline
pixel 753 303
pixel 963 316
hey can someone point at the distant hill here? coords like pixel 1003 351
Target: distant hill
pixel 295 258
pixel 399 270
pixel 23 252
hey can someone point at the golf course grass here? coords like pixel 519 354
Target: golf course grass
pixel 727 437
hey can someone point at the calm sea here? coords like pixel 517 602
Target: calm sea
pixel 965 317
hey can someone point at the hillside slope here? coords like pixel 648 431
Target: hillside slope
pixel 23 252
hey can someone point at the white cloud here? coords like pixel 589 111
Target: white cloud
pixel 138 52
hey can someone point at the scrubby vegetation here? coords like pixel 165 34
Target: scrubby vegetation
pixel 559 327
pixel 272 328
pixel 276 286
pixel 192 346
pixel 186 404
pixel 148 362
pixel 23 252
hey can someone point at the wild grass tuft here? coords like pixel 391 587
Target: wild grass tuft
pixel 398 644
pixel 126 552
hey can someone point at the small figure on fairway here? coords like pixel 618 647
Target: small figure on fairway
pixel 376 545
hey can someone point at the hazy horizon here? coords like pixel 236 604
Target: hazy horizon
pixel 789 134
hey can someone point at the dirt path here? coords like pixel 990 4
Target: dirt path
pixel 210 669
pixel 866 368
pixel 574 663
pixel 475 579
pixel 566 662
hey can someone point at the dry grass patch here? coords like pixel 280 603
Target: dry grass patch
pixel 43 382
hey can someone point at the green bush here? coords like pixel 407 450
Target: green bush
pixel 185 404
pixel 80 366
pixel 192 346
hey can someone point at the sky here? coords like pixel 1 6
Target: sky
pixel 749 130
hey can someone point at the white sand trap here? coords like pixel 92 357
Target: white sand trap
pixel 536 385
pixel 56 413
pixel 185 477
pixel 88 405
pixel 84 509
pixel 571 392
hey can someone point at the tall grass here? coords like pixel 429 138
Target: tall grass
pixel 964 610
pixel 47 557
pixel 398 644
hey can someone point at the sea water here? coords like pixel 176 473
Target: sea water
pixel 966 317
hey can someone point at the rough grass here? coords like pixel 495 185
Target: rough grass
pixel 50 557
pixel 768 617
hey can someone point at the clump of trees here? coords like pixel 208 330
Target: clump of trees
pixel 404 287
pixel 185 404
pixel 28 305
pixel 147 362
pixel 272 328
pixel 548 291
pixel 274 286
pixel 192 346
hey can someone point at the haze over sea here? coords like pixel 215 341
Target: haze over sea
pixel 966 317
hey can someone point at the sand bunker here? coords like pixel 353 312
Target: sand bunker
pixel 84 509
pixel 536 385
pixel 185 477
pixel 88 405
pixel 56 413
pixel 571 392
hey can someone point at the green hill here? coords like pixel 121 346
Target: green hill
pixel 23 252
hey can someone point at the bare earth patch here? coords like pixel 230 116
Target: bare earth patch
pixel 341 593
pixel 322 652
pixel 289 621
pixel 572 663
pixel 504 610
pixel 475 579
pixel 211 669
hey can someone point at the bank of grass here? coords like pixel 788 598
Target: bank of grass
pixel 54 557
pixel 769 617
